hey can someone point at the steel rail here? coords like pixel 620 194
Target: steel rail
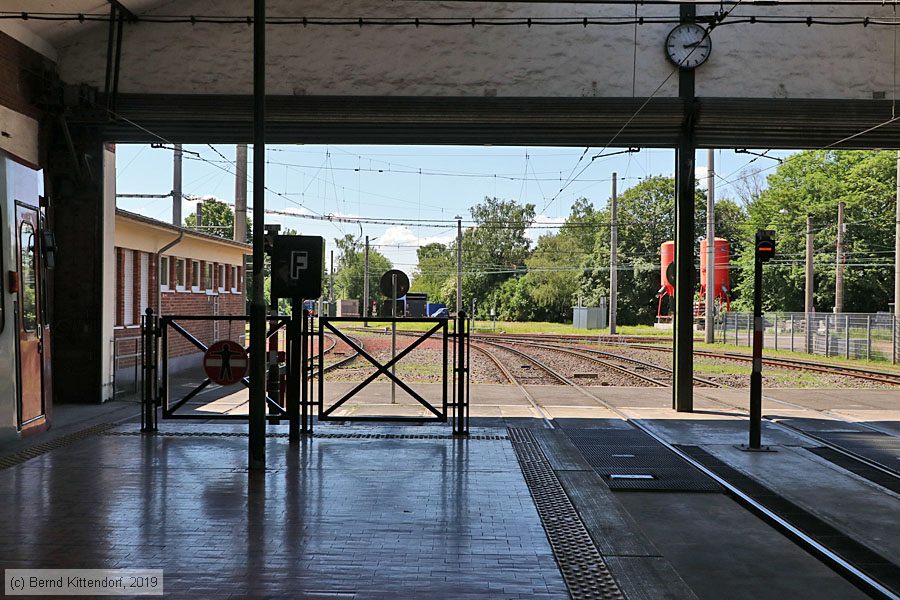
pixel 548 420
pixel 627 359
pixel 792 363
pixel 825 554
pixel 774 422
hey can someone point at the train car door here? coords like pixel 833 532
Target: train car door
pixel 32 409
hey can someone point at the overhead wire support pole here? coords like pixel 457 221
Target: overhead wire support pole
pixel 240 193
pixel 176 185
pixel 897 262
pixel 683 322
pixel 710 299
pixel 257 428
pixel 613 258
pixel 458 265
pixel 365 307
pixel 839 262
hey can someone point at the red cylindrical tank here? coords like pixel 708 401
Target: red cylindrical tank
pixel 722 263
pixel 666 258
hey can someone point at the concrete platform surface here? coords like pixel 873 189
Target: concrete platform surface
pixel 382 515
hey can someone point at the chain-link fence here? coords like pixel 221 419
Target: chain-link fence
pixel 863 336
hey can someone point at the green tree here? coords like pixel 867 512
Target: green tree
pixel 349 273
pixel 436 265
pixel 814 182
pixel 496 248
pixel 218 220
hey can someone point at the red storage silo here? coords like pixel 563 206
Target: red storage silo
pixel 666 258
pixel 722 261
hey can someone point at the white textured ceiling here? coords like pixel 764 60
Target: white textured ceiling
pixel 55 32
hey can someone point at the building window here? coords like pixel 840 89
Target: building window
pixel 195 275
pixel 128 288
pixel 164 273
pixel 28 278
pixel 208 277
pixel 221 278
pixel 180 276
pixel 234 279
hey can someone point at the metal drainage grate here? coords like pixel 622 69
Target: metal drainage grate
pixel 580 563
pixel 629 459
pixel 17 458
pixel 325 436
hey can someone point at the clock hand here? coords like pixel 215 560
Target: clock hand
pixel 693 45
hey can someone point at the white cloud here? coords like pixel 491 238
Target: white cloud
pixel 535 232
pixel 404 236
pixel 702 176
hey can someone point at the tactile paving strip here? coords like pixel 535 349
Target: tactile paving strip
pixel 325 436
pixel 631 452
pixel 17 458
pixel 580 563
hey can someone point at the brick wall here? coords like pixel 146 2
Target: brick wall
pixel 174 302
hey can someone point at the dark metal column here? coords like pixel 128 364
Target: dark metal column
pixel 683 322
pixel 295 359
pixel 257 443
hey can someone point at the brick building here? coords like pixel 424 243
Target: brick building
pixel 201 274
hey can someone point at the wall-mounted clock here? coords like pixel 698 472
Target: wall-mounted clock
pixel 688 45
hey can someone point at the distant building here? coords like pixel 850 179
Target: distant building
pixel 200 274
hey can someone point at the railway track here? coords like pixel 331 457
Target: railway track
pixel 535 406
pixel 860 575
pixel 610 360
pixel 886 469
pixel 794 364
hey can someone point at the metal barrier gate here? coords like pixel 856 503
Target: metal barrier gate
pixel 454 404
pixel 291 391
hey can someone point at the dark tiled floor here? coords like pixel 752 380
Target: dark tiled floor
pixel 434 518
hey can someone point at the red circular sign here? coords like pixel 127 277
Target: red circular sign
pixel 225 362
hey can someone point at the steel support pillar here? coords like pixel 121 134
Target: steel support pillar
pixel 257 433
pixel 683 321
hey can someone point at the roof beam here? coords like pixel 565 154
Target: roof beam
pixel 123 9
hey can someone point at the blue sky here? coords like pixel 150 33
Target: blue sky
pixel 406 183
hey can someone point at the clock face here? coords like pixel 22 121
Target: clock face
pixel 688 46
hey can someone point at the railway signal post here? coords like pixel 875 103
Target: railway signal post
pixel 765 250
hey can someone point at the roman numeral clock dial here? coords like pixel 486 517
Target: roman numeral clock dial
pixel 688 46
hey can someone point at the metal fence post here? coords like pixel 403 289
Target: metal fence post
pixel 894 340
pixel 776 331
pixel 847 337
pixel 148 371
pixel 868 337
pixel 792 332
pixel 827 336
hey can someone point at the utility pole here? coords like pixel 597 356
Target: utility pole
pixel 199 214
pixel 808 306
pixel 710 299
pixel 176 187
pixel 839 262
pixel 365 311
pixel 240 193
pixel 331 307
pixel 458 265
pixel 897 248
pixel 613 258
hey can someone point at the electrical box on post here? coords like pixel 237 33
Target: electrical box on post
pixel 765 245
pixel 297 266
